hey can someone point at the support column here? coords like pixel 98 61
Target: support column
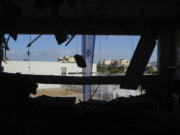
pixel 177 54
pixel 165 50
pixel 166 68
pixel 139 60
pixel 177 70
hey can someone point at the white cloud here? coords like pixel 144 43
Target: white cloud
pixel 41 55
pixel 52 55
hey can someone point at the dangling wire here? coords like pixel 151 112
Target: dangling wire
pixel 6 47
pixel 95 91
pixel 28 53
pixel 100 52
pixel 132 44
pixel 31 42
pixel 77 44
pixel 99 45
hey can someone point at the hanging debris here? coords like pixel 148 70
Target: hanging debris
pixel 14 36
pixel 62 32
pixel 29 45
pixel 80 61
pixel 28 53
pixel 70 40
pixel 60 38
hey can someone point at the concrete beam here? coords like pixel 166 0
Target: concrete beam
pixel 139 60
pixel 46 79
pixel 177 54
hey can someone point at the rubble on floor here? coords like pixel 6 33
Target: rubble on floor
pixel 49 115
pixel 20 114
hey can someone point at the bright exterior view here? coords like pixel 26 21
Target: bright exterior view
pixel 111 57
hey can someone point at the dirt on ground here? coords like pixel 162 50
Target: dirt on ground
pixel 55 93
pixel 60 93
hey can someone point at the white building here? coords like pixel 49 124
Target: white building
pixel 44 68
pixel 105 63
pixel 124 63
pixel 67 59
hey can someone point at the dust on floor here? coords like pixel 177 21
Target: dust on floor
pixel 60 93
pixel 55 93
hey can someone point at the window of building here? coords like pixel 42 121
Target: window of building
pixel 63 71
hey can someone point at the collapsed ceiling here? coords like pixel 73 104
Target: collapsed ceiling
pixel 87 16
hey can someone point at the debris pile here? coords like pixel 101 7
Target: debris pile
pixel 43 115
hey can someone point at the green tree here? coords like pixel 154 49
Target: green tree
pixel 25 59
pixel 153 71
pixel 121 69
pixel 102 70
pixel 7 59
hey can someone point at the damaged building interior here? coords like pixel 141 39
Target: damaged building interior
pixel 155 112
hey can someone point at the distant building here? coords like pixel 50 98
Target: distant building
pixel 148 65
pixel 107 63
pixel 122 63
pixel 154 64
pixel 100 64
pixel 151 66
pixel 67 59
pixel 113 63
pixel 104 63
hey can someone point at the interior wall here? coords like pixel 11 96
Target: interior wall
pixel 177 54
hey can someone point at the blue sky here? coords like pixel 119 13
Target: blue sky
pixel 47 49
